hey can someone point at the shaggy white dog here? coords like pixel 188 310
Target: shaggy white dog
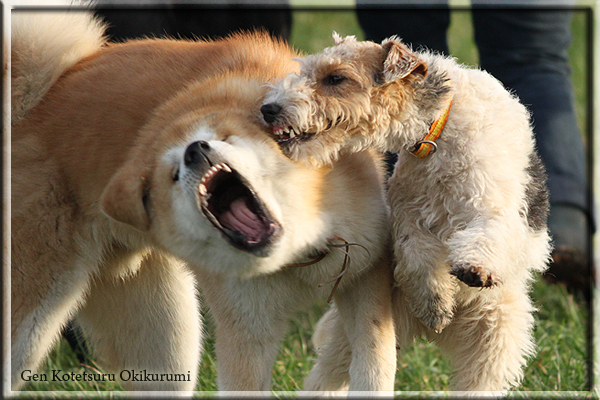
pixel 468 195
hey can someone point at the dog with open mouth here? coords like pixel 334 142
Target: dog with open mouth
pixel 468 195
pixel 142 169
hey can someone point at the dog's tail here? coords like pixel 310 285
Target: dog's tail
pixel 44 44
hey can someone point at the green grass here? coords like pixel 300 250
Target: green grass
pixel 562 363
pixel 312 30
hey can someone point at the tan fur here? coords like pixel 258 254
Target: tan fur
pixel 37 62
pixel 105 205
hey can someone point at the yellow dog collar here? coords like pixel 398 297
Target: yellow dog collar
pixel 427 146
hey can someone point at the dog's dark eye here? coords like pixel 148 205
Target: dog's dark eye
pixel 333 80
pixel 176 175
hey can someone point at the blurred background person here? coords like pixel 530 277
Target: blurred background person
pixel 193 20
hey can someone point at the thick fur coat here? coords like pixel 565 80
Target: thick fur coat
pixel 141 170
pixel 468 220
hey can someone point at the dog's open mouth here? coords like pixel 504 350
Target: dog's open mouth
pixel 285 134
pixel 289 134
pixel 230 204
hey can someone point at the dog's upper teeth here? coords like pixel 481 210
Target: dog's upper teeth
pixel 202 189
pixel 225 167
pixel 286 130
pixel 213 170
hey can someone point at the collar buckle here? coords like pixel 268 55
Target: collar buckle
pixel 427 146
pixel 424 146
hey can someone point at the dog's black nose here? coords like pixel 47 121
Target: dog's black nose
pixel 195 152
pixel 270 111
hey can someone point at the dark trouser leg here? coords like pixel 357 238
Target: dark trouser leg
pixel 419 27
pixel 527 50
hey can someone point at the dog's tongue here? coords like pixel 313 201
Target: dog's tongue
pixel 240 218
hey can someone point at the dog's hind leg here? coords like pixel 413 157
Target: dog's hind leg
pixel 490 340
pixel 408 326
pixel 149 320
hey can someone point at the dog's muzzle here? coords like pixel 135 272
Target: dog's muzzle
pixel 229 202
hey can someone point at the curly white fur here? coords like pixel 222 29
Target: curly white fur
pixel 469 221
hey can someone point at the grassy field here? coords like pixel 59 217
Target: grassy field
pixel 562 363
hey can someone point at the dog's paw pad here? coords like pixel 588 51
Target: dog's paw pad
pixel 474 276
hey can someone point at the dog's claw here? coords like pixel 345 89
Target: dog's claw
pixel 437 322
pixel 474 276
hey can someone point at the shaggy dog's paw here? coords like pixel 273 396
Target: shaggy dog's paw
pixel 437 321
pixel 433 314
pixel 474 276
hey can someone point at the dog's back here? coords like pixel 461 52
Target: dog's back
pixel 43 46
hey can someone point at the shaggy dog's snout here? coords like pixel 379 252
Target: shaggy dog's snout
pixel 270 112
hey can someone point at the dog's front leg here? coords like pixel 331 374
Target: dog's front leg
pixel 425 279
pixel 251 317
pixel 366 311
pixel 331 371
pixel 360 343
pixel 474 251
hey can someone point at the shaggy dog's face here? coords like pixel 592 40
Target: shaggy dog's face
pixel 219 193
pixel 313 115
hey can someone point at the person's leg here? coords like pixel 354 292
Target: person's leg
pixel 526 49
pixel 420 27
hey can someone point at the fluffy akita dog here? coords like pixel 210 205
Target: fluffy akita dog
pixel 127 158
pixel 469 220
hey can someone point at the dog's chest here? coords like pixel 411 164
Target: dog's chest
pixel 433 196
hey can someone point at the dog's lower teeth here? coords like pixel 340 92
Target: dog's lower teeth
pixel 202 190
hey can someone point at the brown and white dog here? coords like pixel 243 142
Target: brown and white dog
pixel 141 168
pixel 468 220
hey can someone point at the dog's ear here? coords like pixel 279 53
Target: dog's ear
pixel 400 61
pixel 124 198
